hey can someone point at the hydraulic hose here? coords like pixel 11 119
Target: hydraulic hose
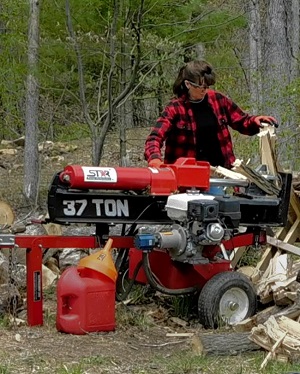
pixel 153 283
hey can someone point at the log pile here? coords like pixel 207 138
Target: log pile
pixel 276 277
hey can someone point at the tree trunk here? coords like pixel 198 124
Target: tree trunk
pixel 294 31
pixel 255 58
pixel 123 112
pixel 31 156
pixel 278 70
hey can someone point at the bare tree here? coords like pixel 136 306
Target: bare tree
pixel 274 63
pixel 279 67
pixel 255 55
pixel 31 156
pixel 294 32
pixel 107 104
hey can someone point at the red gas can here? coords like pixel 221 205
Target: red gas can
pixel 86 294
pixel 85 301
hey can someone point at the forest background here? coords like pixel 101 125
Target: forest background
pixel 80 71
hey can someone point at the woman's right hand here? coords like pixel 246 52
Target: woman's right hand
pixel 264 121
pixel 155 163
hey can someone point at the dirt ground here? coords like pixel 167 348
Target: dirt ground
pixel 139 345
pixel 43 350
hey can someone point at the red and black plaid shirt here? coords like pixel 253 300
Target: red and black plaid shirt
pixel 177 129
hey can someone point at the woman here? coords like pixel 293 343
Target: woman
pixel 195 123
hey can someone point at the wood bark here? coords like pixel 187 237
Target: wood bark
pixel 225 344
pixel 280 44
pixel 255 55
pixel 31 155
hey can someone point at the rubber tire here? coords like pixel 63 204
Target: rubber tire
pixel 213 290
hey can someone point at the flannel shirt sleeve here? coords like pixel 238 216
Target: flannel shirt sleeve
pixel 239 120
pixel 158 134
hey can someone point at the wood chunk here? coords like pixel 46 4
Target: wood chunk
pixel 226 343
pixel 283 297
pixel 223 172
pixel 283 245
pixel 292 311
pixel 245 325
pixel 236 255
pixel 7 216
pixel 265 314
pixel 291 326
pixel 266 299
pixel 269 187
pixel 247 270
pixel 53 228
pixel 295 203
pixel 267 140
pixel 273 350
pixel 268 254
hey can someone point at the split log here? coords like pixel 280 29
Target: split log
pixel 225 344
pixel 264 262
pixel 7 216
pixel 267 140
pixel 258 319
pixel 273 350
pixel 269 277
pixel 283 245
pixel 223 172
pixel 292 311
pixel 283 297
pixel 265 314
pixel 273 329
pixel 264 184
pixel 53 228
pixel 236 255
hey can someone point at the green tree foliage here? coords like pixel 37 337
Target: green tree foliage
pixel 170 32
pixel 13 21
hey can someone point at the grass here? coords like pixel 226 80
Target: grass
pixel 187 363
pixel 184 306
pixel 172 359
pixel 4 321
pixel 250 257
pixel 127 317
pixel 4 369
pixel 73 369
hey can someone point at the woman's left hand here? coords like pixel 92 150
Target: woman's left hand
pixel 263 121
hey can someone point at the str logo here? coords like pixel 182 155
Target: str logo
pixel 97 174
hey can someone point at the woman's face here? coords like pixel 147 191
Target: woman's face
pixel 196 91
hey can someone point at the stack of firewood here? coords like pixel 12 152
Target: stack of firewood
pixel 277 328
pixel 276 278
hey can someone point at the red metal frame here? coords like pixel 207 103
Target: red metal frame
pixel 34 246
pixel 174 275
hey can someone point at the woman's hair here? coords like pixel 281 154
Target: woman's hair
pixel 194 71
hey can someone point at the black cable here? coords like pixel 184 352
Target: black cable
pixel 132 280
pixel 140 215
